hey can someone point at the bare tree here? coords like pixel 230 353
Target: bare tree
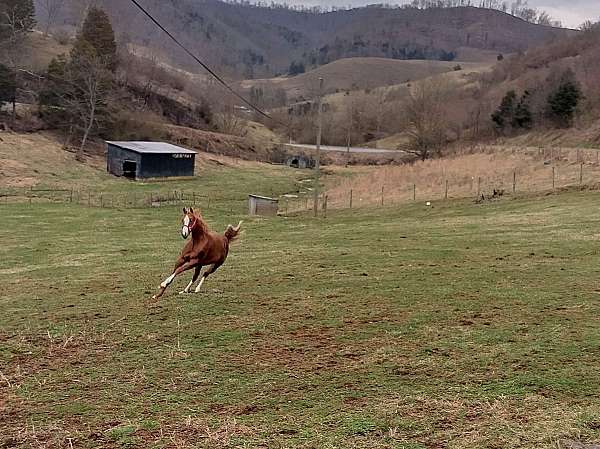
pixel 427 119
pixel 52 9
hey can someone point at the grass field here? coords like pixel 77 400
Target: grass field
pixel 455 326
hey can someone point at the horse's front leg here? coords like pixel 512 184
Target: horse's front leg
pixel 163 286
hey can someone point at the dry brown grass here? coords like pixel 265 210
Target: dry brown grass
pixel 358 73
pixel 493 166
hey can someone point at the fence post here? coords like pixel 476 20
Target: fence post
pixel 325 206
pixel 414 192
pixel 446 193
pixel 553 181
pixel 382 195
pixel 101 200
pixel 478 187
pixel 514 182
pixel 71 196
pixel 30 193
pixel 350 198
pixel 581 174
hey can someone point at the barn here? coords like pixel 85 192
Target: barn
pixel 138 160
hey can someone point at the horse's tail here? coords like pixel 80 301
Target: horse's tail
pixel 232 233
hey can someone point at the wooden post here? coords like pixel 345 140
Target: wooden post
pixel 382 195
pixel 446 193
pixel 478 187
pixel 30 193
pixel 325 206
pixel 414 192
pixel 71 196
pixel 318 157
pixel 350 198
pixel 101 200
pixel 514 182
pixel 553 181
pixel 581 173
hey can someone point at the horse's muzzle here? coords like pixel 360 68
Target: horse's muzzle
pixel 185 232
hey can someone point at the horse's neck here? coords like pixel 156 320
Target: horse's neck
pixel 200 231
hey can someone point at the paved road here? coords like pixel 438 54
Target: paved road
pixel 344 149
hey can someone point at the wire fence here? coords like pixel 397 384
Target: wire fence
pixel 545 171
pixel 92 198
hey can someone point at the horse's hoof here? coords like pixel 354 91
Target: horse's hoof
pixel 183 292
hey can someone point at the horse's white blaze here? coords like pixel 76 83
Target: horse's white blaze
pixel 200 284
pixel 185 230
pixel 168 281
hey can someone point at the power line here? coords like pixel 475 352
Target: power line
pixel 206 67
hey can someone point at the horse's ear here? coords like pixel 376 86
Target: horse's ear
pixel 191 210
pixel 185 210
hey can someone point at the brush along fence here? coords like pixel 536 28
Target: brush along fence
pixel 478 174
pixel 92 198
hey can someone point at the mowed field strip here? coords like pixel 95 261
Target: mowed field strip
pixel 455 326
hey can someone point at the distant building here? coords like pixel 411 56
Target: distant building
pixel 262 205
pixel 137 160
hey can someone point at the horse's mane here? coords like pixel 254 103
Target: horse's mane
pixel 201 226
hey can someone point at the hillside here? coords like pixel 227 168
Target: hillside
pixel 253 42
pixel 356 73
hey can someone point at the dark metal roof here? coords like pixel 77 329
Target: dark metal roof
pixel 151 147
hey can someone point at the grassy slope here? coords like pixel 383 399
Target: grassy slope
pixel 457 326
pixel 37 160
pixel 361 73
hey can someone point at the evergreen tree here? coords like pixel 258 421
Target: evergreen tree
pixel 52 98
pixel 8 85
pixel 504 115
pixel 522 117
pixel 97 35
pixel 77 90
pixel 563 102
pixel 296 68
pixel 16 17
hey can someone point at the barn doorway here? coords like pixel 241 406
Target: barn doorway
pixel 129 169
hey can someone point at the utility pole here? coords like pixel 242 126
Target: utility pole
pixel 318 157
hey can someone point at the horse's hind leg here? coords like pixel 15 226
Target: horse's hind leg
pixel 196 274
pixel 208 272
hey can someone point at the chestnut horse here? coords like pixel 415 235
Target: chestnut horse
pixel 205 248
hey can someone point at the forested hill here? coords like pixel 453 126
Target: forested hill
pixel 250 41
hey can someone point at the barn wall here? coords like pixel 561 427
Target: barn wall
pixel 157 165
pixel 116 156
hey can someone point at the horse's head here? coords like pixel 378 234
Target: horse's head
pixel 188 222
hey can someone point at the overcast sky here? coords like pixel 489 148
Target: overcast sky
pixel 571 13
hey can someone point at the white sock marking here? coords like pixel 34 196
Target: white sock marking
pixel 187 289
pixel 199 285
pixel 167 281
